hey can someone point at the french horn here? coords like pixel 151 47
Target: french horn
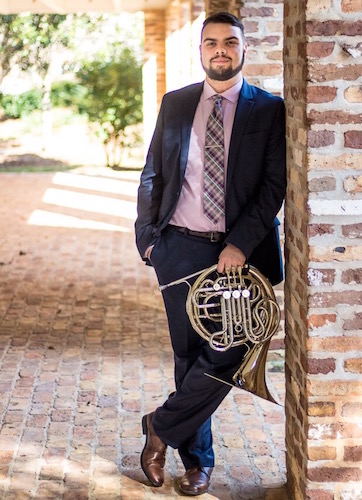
pixel 231 309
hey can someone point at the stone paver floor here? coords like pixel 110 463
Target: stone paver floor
pixel 84 352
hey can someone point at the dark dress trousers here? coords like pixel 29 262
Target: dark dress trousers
pixel 255 189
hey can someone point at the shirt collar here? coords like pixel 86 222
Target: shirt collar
pixel 232 94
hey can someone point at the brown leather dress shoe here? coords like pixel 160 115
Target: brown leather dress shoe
pixel 153 454
pixel 196 481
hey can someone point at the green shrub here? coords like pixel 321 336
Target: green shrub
pixel 66 94
pixel 16 106
pixel 113 99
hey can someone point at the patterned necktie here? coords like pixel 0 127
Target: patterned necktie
pixel 213 196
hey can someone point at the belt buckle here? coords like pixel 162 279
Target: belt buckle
pixel 214 238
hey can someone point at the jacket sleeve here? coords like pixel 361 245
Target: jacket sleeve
pixel 150 189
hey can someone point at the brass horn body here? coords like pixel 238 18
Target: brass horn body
pixel 232 309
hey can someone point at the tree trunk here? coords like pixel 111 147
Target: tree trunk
pixel 47 113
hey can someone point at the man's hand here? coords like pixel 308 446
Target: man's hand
pixel 231 256
pixel 148 252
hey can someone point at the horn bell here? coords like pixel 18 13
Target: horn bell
pixel 251 373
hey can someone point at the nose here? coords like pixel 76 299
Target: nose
pixel 221 51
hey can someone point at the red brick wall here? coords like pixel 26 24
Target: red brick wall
pixel 233 6
pixel 263 23
pixel 323 280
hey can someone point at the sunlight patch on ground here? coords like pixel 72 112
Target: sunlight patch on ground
pixel 51 219
pixel 90 203
pixel 98 171
pixel 116 186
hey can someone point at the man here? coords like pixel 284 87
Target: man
pixel 178 235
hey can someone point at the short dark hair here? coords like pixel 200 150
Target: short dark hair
pixel 224 18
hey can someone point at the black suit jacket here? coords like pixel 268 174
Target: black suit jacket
pixel 256 173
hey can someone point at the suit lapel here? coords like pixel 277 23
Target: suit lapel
pixel 242 113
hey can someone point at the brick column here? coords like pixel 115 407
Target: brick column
pixel 213 6
pixel 154 79
pixel 155 46
pixel 323 259
pixel 296 248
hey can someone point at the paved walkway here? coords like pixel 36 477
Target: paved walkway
pixel 84 352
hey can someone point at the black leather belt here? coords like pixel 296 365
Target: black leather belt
pixel 213 236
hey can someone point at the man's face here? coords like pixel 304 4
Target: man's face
pixel 222 51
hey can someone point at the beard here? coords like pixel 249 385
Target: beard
pixel 223 74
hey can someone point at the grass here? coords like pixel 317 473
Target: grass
pixel 36 168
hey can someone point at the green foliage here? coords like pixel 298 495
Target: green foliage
pixel 16 106
pixel 26 40
pixel 42 33
pixel 113 99
pixel 11 43
pixel 67 94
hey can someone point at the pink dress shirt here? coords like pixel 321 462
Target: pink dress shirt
pixel 189 211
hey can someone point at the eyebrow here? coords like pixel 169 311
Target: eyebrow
pixel 210 39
